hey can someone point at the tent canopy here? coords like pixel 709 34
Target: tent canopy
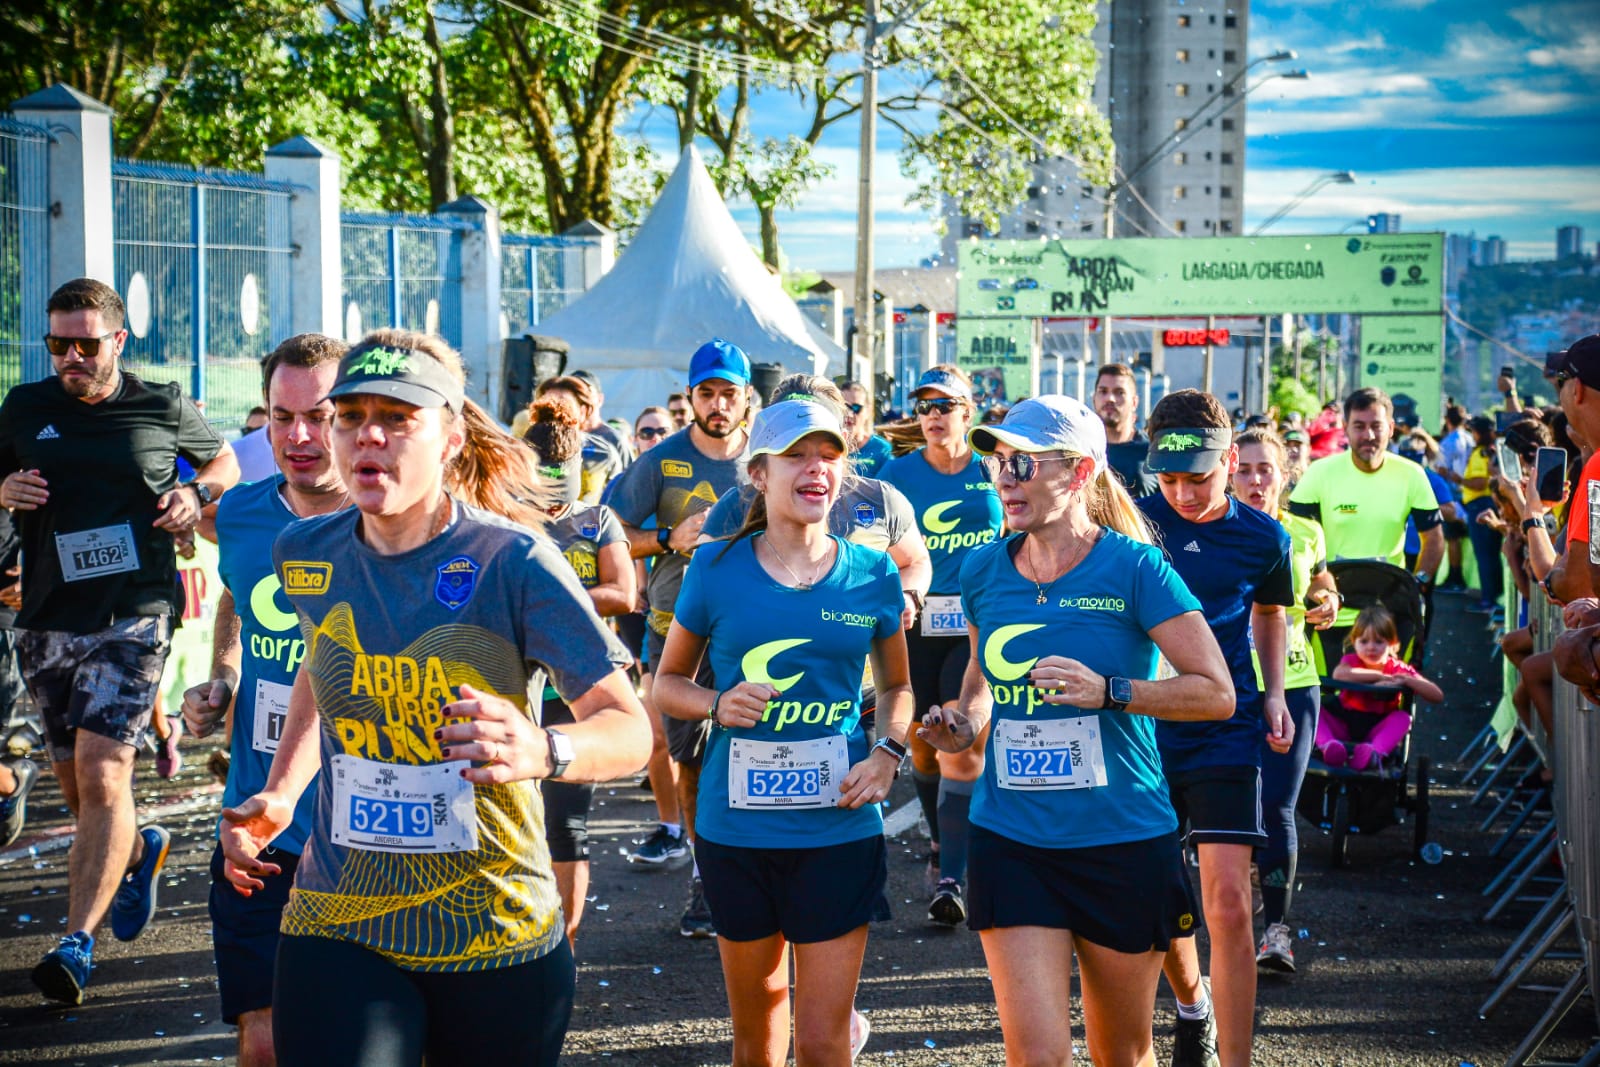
pixel 687 276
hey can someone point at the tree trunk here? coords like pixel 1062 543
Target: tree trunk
pixel 441 161
pixel 769 234
pixel 689 117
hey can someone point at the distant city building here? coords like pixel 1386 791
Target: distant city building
pixel 1384 222
pixel 1492 253
pixel 1569 241
pixel 1159 65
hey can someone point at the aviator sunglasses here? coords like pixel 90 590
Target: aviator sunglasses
pixel 88 346
pixel 650 433
pixel 1021 466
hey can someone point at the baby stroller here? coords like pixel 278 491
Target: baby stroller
pixel 1345 801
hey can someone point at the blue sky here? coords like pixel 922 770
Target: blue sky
pixel 1461 115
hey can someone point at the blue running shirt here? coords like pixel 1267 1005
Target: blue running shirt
pixel 1100 613
pixel 812 645
pixel 1230 564
pixel 869 459
pixel 249 519
pixel 955 512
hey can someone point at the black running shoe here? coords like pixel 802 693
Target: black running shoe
pixel 696 921
pixel 1194 1042
pixel 949 905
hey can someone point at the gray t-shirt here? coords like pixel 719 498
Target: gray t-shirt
pixel 671 482
pixel 390 640
pixel 868 512
pixel 581 533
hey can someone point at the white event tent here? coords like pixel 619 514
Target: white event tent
pixel 687 276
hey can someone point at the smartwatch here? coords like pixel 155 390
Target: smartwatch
pixel 1119 693
pixel 1528 524
pixel 663 536
pixel 895 749
pixel 201 490
pixel 561 752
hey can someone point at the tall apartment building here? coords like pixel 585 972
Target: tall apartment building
pixel 1161 62
pixel 1569 241
pixel 1383 222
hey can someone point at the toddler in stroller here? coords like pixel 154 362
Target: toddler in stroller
pixel 1362 727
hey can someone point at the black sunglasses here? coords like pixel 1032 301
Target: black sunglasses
pixel 856 409
pixel 651 432
pixel 1021 466
pixel 88 346
pixel 929 407
pixel 1562 377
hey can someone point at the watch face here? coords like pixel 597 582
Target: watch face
pixel 1121 691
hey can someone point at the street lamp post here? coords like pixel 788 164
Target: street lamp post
pixel 1335 177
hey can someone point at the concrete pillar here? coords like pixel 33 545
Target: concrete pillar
pixel 79 161
pixel 316 272
pixel 599 251
pixel 480 298
pixel 930 340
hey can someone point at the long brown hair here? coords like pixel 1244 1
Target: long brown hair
pixel 493 471
pixel 906 435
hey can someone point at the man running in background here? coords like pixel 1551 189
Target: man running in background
pixel 94 453
pixel 255 653
pixel 1116 401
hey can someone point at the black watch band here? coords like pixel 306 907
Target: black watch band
pixel 1528 524
pixel 202 491
pixel 663 538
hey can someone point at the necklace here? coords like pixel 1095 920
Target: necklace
pixel 799 583
pixel 1044 590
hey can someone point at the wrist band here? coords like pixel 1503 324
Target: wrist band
pixel 711 713
pixel 1528 524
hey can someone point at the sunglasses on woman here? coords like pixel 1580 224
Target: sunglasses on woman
pixel 929 407
pixel 88 346
pixel 856 409
pixel 1021 466
pixel 650 433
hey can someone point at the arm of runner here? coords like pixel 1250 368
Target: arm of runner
pixel 251 827
pixel 618 589
pixel 24 491
pixel 1269 632
pixel 675 692
pixel 642 544
pixel 181 507
pixel 910 555
pixel 870 780
pixel 206 705
pixel 954 729
pixel 1202 689
pixel 1324 594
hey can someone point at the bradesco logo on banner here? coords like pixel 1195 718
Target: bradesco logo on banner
pixel 1404 356
pixel 1393 273
pixel 999 355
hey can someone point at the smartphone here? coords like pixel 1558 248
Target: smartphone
pixel 1510 463
pixel 1508 371
pixel 1550 475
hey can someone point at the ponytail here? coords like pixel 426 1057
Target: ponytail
pixel 755 520
pixel 1110 505
pixel 495 471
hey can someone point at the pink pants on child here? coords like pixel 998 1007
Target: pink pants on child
pixel 1384 737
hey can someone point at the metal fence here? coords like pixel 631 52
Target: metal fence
pixel 402 270
pixel 24 252
pixel 538 277
pixel 203 264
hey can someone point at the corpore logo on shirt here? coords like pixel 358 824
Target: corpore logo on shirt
pixel 1005 671
pixel 286 651
pixel 757 667
pixel 944 533
pixel 301 578
pixel 757 663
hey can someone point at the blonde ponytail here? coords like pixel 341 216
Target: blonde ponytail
pixel 1110 505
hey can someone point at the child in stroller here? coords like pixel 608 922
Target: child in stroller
pixel 1361 728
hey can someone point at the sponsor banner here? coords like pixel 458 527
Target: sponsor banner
pixel 1404 356
pixel 1001 355
pixel 1377 273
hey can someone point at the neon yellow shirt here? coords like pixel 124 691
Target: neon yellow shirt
pixel 1477 467
pixel 1364 515
pixel 1307 558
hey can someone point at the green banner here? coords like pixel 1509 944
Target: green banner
pixel 1203 276
pixel 1404 356
pixel 1001 357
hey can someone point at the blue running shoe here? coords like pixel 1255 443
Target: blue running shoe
pixel 135 903
pixel 14 807
pixel 64 971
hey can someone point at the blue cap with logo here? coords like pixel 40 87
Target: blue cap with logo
pixel 942 381
pixel 719 359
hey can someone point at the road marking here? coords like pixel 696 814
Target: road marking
pixel 900 820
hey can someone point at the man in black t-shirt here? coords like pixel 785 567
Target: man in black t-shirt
pixel 1116 401
pixel 91 456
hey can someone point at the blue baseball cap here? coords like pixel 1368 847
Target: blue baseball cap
pixel 942 381
pixel 719 359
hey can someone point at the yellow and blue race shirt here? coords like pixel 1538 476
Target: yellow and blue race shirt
pixel 809 644
pixel 956 512
pixel 389 641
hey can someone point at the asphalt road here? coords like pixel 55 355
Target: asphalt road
pixel 1393 954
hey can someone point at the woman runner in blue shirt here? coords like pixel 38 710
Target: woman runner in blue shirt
pixel 1074 845
pixel 790 838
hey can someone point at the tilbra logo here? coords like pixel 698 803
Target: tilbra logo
pixel 1094 603
pixel 757 663
pixel 994 657
pixel 848 618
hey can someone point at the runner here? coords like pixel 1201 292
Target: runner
pixel 603 456
pixel 94 451
pixel 680 481
pixel 256 649
pixel 791 838
pixel 1074 853
pixel 425 896
pixel 1116 401
pixel 1259 482
pixel 957 510
pixel 1237 563
pixel 18 773
pixel 868 451
pixel 591 538
pixel 680 411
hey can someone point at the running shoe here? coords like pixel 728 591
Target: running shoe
pixel 948 906
pixel 169 761
pixel 1277 951
pixel 135 903
pixel 860 1031
pixel 1453 584
pixel 14 808
pixel 696 921
pixel 64 971
pixel 660 849
pixel 1194 1042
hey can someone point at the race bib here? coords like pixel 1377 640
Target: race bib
pixel 942 616
pixel 1049 754
pixel 395 807
pixel 97 553
pixel 787 774
pixel 272 708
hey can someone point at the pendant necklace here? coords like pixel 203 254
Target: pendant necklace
pixel 799 583
pixel 1044 590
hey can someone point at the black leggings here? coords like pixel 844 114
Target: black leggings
pixel 1281 776
pixel 338 1002
pixel 936 666
pixel 566 804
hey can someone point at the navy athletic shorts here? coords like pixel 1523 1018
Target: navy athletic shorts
pixel 805 894
pixel 1221 805
pixel 244 934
